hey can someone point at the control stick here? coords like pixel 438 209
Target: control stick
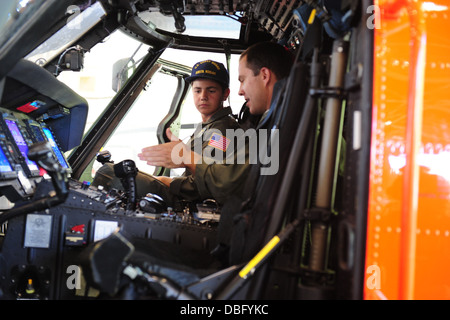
pixel 126 171
pixel 42 154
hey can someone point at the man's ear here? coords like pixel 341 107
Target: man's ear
pixel 266 74
pixel 226 93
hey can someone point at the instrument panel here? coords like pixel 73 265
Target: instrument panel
pixel 40 247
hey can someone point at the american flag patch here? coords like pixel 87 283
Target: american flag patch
pixel 218 141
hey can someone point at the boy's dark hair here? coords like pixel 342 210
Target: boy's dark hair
pixel 270 55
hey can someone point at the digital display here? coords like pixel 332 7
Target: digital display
pixel 37 133
pixel 20 141
pixel 55 148
pixel 5 166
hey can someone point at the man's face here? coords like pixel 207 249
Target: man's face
pixel 208 97
pixel 252 88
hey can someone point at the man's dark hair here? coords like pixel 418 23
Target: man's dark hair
pixel 270 55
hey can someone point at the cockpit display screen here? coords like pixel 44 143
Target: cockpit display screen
pixel 5 166
pixel 55 148
pixel 20 141
pixel 37 133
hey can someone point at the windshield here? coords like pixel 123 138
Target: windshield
pixel 14 14
pixel 201 26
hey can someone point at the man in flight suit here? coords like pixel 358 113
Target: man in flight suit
pixel 210 84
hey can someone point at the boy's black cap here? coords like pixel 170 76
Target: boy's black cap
pixel 209 69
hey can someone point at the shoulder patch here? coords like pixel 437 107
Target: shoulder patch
pixel 218 141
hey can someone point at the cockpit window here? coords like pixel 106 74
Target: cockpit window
pixel 202 26
pixel 94 81
pixel 13 15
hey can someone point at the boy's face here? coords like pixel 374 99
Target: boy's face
pixel 208 97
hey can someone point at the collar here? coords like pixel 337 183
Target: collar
pixel 225 111
pixel 276 95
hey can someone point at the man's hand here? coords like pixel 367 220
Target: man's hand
pixel 173 154
pixel 165 155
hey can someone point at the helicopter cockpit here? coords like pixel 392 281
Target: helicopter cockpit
pixel 63 238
